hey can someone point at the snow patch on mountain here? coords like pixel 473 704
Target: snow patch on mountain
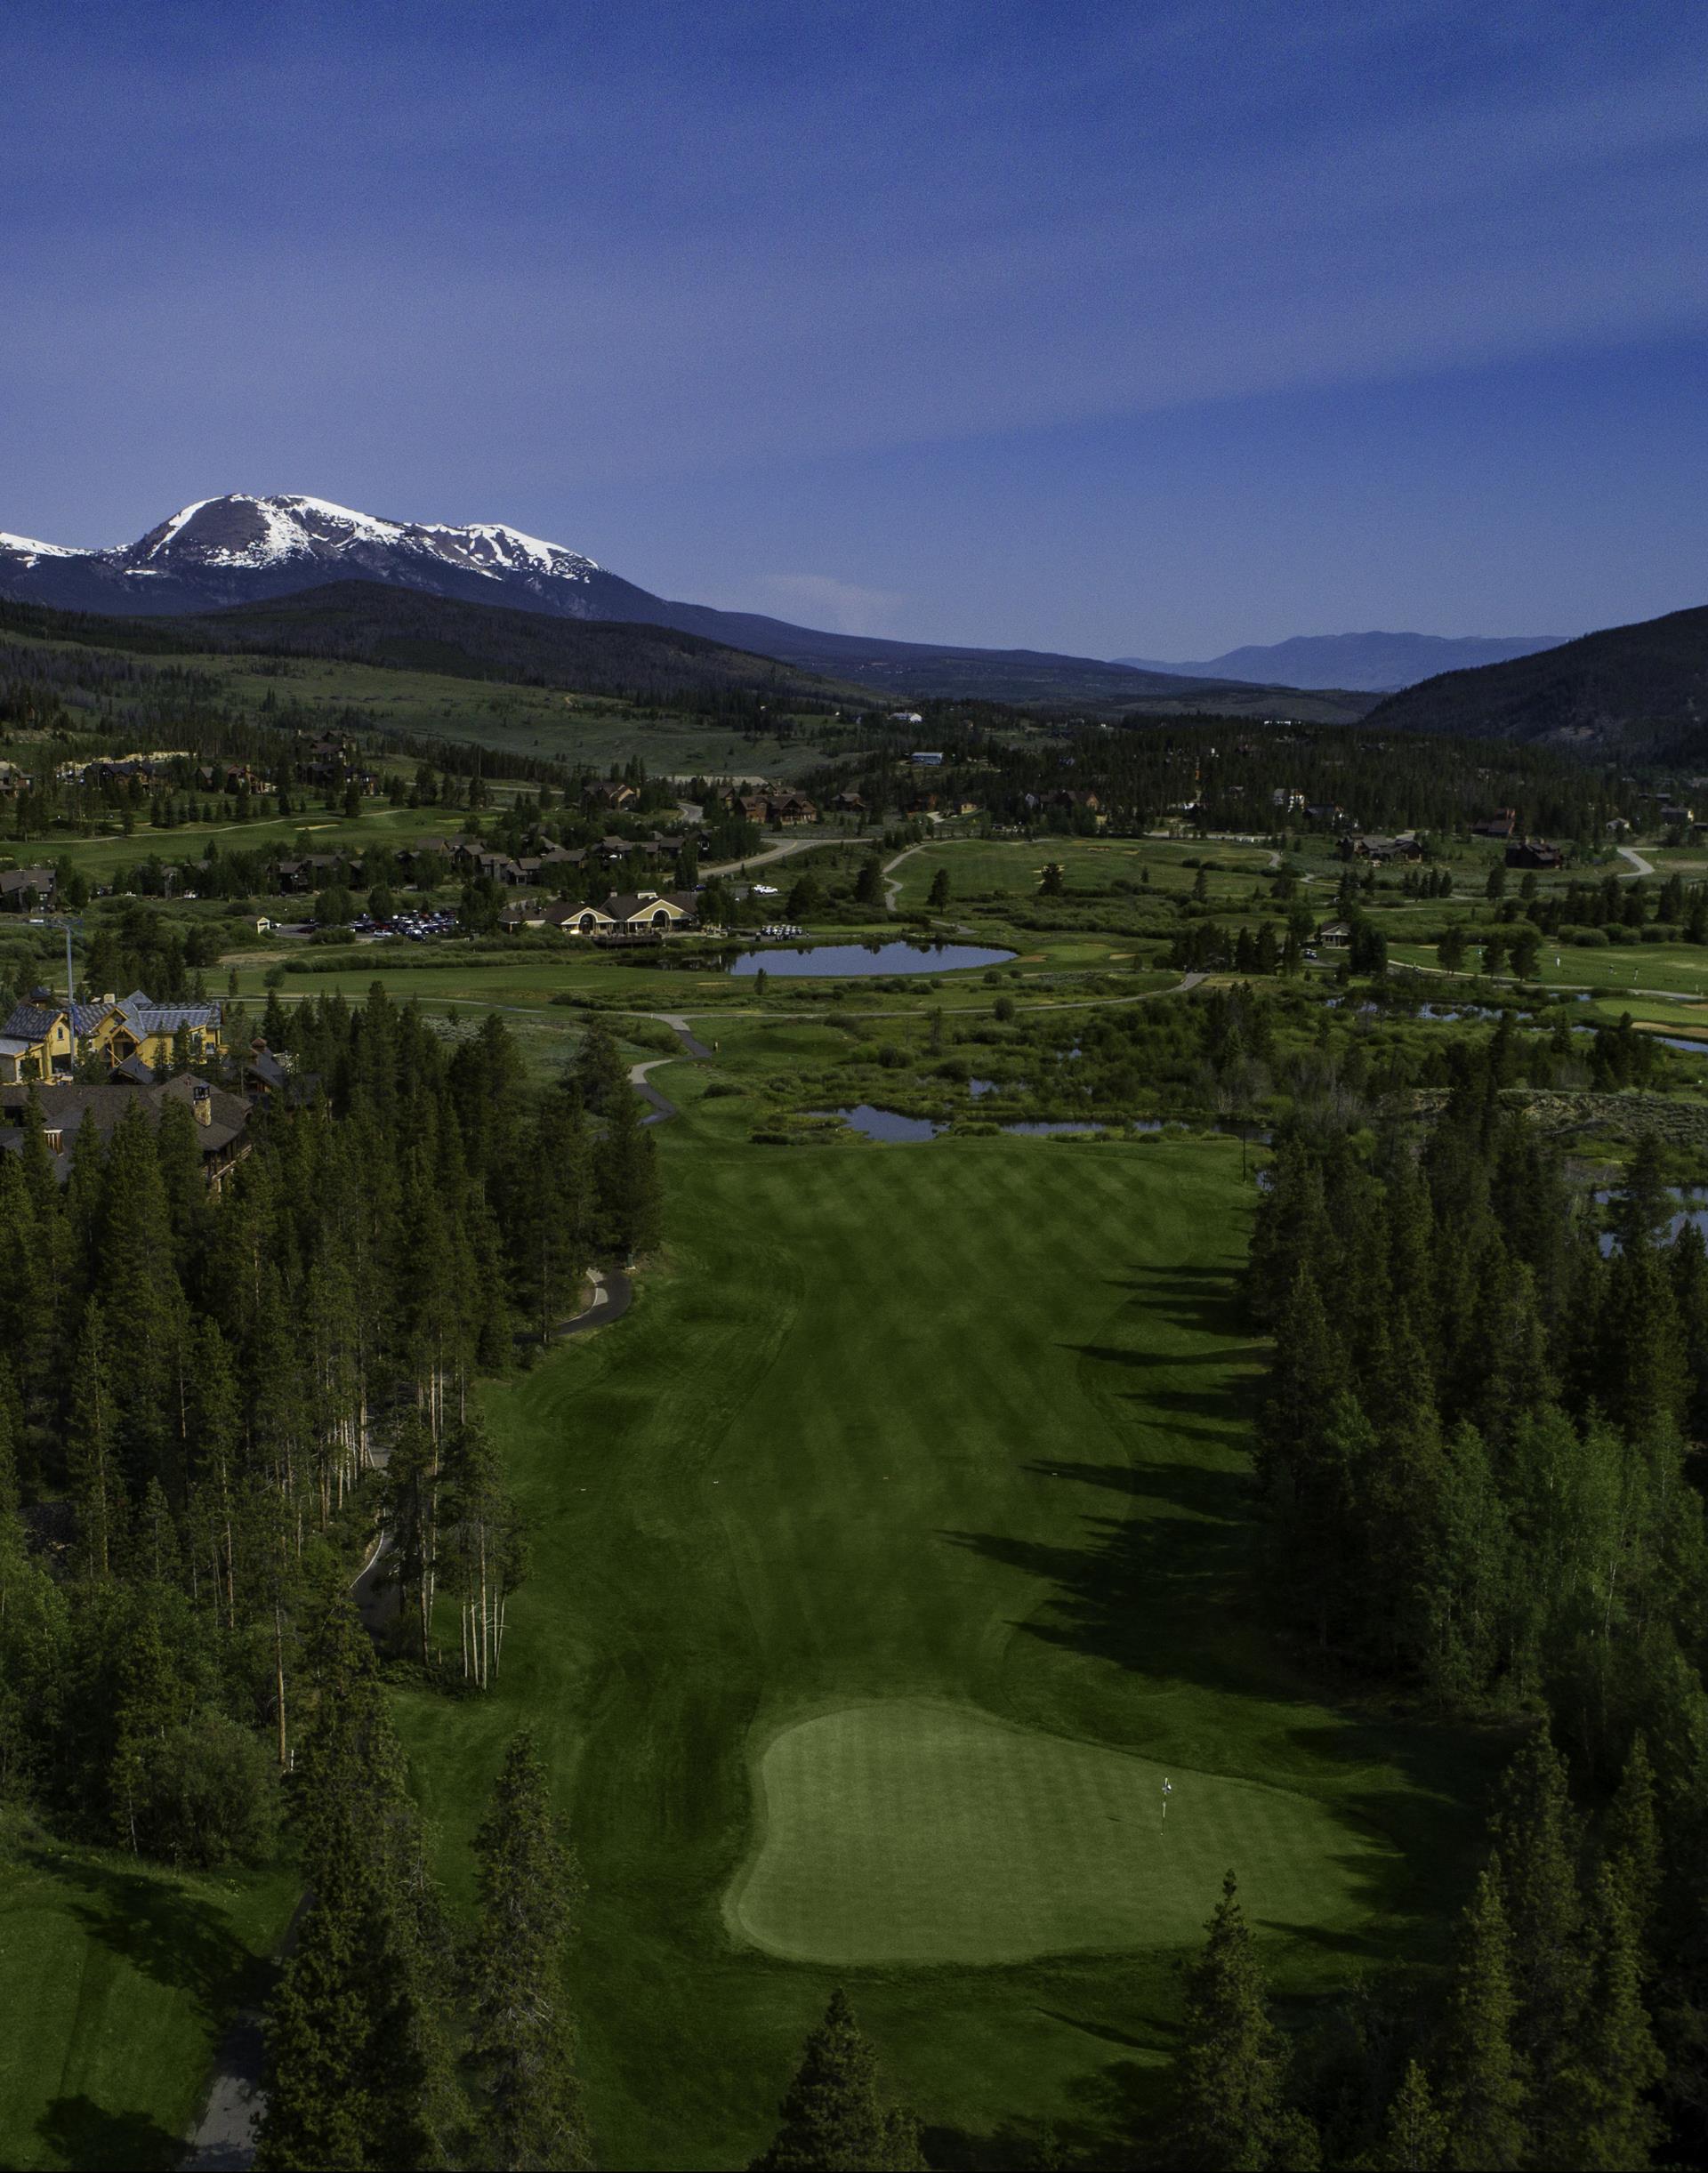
pixel 27 548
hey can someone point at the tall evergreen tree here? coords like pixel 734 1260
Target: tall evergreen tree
pixel 1415 2135
pixel 1537 1833
pixel 1482 2075
pixel 1229 2112
pixel 1632 1839
pixel 359 2064
pixel 1608 2123
pixel 630 1195
pixel 833 2116
pixel 522 2042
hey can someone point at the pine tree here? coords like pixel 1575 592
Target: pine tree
pixel 630 1195
pixel 833 2116
pixel 1607 2124
pixel 1228 2072
pixel 1415 2135
pixel 1483 2074
pixel 96 1484
pixel 1632 1839
pixel 1537 1833
pixel 358 2069
pixel 522 2042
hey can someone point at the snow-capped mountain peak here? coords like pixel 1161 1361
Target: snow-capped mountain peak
pixel 242 547
pixel 239 533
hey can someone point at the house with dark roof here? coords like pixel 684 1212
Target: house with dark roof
pixel 21 889
pixel 221 1119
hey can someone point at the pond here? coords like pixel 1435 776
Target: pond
pixel 846 961
pixel 1693 1208
pixel 1040 1131
pixel 976 1087
pixel 886 1125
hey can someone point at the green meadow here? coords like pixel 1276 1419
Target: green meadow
pixel 886 1558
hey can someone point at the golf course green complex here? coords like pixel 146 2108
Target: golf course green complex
pixel 1053 1845
pixel 887 1557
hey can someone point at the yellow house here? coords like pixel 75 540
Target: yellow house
pixel 41 1039
pixel 138 1028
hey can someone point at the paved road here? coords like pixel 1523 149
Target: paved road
pixel 892 890
pixel 1640 866
pixel 771 853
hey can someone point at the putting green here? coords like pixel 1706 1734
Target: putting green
pixel 910 1831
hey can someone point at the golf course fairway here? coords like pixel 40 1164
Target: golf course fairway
pixel 885 1556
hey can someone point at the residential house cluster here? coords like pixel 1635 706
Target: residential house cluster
pixel 773 807
pixel 624 913
pixel 1406 846
pixel 45 1036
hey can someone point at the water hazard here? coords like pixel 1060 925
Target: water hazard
pixel 851 960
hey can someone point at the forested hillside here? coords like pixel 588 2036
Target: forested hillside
pixel 1633 693
pixel 211 1381
pixel 1477 1457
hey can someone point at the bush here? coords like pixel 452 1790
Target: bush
pixel 1591 939
pixel 210 1795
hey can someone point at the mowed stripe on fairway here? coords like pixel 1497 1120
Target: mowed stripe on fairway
pixel 909 1830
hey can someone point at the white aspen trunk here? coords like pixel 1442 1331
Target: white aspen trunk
pixel 485 1626
pixel 279 1667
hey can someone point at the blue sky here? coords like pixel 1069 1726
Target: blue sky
pixel 1125 329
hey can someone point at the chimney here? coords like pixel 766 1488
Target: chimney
pixel 201 1103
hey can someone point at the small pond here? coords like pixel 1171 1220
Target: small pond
pixel 886 1125
pixel 1693 1208
pixel 976 1087
pixel 846 960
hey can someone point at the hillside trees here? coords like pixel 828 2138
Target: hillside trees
pixel 521 2042
pixel 212 1383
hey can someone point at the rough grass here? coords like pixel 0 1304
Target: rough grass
pixel 114 1982
pixel 922 1832
pixel 962 1423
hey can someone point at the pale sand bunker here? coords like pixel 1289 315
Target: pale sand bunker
pixel 911 1831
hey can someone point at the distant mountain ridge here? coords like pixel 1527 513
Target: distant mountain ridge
pixel 242 550
pixel 1373 663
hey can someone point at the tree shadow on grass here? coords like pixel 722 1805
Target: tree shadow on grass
pixel 1165 1586
pixel 164 1933
pixel 82 2134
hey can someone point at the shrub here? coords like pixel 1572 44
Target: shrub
pixel 210 1795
